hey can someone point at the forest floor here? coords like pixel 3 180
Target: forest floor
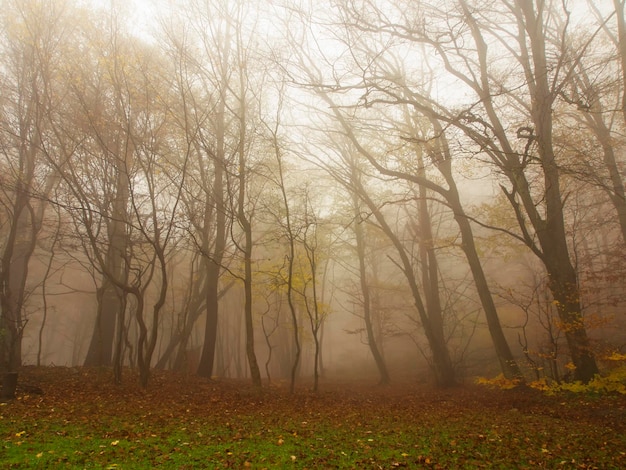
pixel 83 420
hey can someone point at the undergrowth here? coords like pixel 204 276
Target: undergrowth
pixel 610 382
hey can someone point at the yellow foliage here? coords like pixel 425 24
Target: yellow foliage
pixel 499 381
pixel 540 384
pixel 615 356
pixel 612 382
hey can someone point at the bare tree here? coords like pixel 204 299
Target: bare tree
pixel 32 46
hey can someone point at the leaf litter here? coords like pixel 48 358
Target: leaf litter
pixel 82 419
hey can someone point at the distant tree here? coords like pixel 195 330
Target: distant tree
pixel 430 319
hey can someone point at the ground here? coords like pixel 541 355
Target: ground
pixel 83 420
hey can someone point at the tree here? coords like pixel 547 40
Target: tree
pixel 366 291
pixel 125 210
pixel 243 179
pixel 310 240
pixel 289 233
pixel 200 44
pixel 32 47
pixel 594 99
pixel 620 18
pixel 97 169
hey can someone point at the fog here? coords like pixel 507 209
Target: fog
pixel 296 193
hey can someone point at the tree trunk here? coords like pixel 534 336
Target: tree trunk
pixel 18 248
pixel 246 225
pixel 100 350
pixel 9 386
pixel 367 302
pixel 563 283
pixel 508 364
pixel 215 205
pixel 207 358
pixel 111 298
pixel 551 233
pixel 430 276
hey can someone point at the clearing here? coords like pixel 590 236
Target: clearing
pixel 83 420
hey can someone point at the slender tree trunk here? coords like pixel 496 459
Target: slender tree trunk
pixel 250 352
pixel 508 364
pixel 429 264
pixel 290 268
pixel 312 303
pixel 246 225
pixel 365 292
pixel 292 310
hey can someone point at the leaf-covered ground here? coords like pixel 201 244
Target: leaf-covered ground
pixel 83 420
